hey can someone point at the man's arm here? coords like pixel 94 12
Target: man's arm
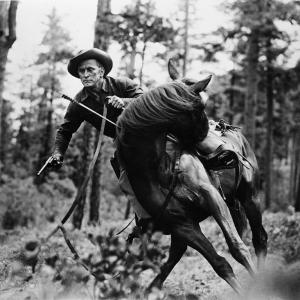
pixel 127 90
pixel 72 120
pixel 132 89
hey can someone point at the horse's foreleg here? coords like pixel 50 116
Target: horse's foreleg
pixel 193 237
pixel 221 213
pixel 177 249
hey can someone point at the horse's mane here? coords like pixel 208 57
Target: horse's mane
pixel 170 107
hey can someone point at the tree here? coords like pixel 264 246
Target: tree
pixel 8 12
pixel 28 138
pixel 295 163
pixel 101 40
pixel 7 136
pixel 295 139
pixel 86 157
pixel 135 29
pixel 186 35
pixel 50 61
pixel 261 43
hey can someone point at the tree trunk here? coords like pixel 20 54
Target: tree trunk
pixel 8 12
pixel 295 159
pixel 95 195
pixel 101 41
pixel 87 154
pixel 185 39
pixel 251 94
pixel 231 97
pixel 46 137
pixel 130 68
pixel 47 134
pixel 295 171
pixel 269 138
pixel 143 61
pixel 5 139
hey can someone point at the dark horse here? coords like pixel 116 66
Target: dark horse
pixel 178 108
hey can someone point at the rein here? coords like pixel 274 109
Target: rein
pixel 86 179
pixel 60 226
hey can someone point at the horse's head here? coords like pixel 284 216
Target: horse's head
pixel 195 86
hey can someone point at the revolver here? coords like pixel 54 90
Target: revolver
pixel 48 162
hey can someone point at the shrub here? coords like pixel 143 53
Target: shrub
pixel 23 204
pixel 115 264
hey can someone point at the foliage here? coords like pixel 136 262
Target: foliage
pixel 262 25
pixel 22 204
pixel 116 265
pixel 283 233
pixel 61 278
pixel 123 264
pixel 136 28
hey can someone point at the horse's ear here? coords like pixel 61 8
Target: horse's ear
pixel 173 72
pixel 200 85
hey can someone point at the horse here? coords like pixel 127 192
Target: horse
pixel 177 109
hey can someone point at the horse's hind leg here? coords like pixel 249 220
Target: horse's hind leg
pixel 239 217
pixel 250 202
pixel 194 175
pixel 177 249
pixel 192 235
pixel 221 213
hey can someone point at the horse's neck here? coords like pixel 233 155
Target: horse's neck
pixel 145 150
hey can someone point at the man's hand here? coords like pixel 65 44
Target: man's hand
pixel 54 161
pixel 115 101
pixel 57 160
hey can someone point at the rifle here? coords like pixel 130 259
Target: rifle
pixel 48 161
pixel 87 108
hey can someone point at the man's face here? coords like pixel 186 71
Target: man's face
pixel 90 72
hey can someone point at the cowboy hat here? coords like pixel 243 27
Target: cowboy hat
pixel 102 57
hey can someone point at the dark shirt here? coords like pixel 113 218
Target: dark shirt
pixel 75 115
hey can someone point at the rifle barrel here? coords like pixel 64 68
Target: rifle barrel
pixel 89 109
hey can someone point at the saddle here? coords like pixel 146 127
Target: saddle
pixel 213 151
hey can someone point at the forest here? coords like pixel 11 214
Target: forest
pixel 259 93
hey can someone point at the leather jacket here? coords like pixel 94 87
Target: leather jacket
pixel 75 115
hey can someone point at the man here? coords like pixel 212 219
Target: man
pixel 92 67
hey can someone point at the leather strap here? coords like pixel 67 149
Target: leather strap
pixel 172 186
pixel 86 179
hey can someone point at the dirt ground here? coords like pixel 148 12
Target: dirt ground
pixel 192 278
